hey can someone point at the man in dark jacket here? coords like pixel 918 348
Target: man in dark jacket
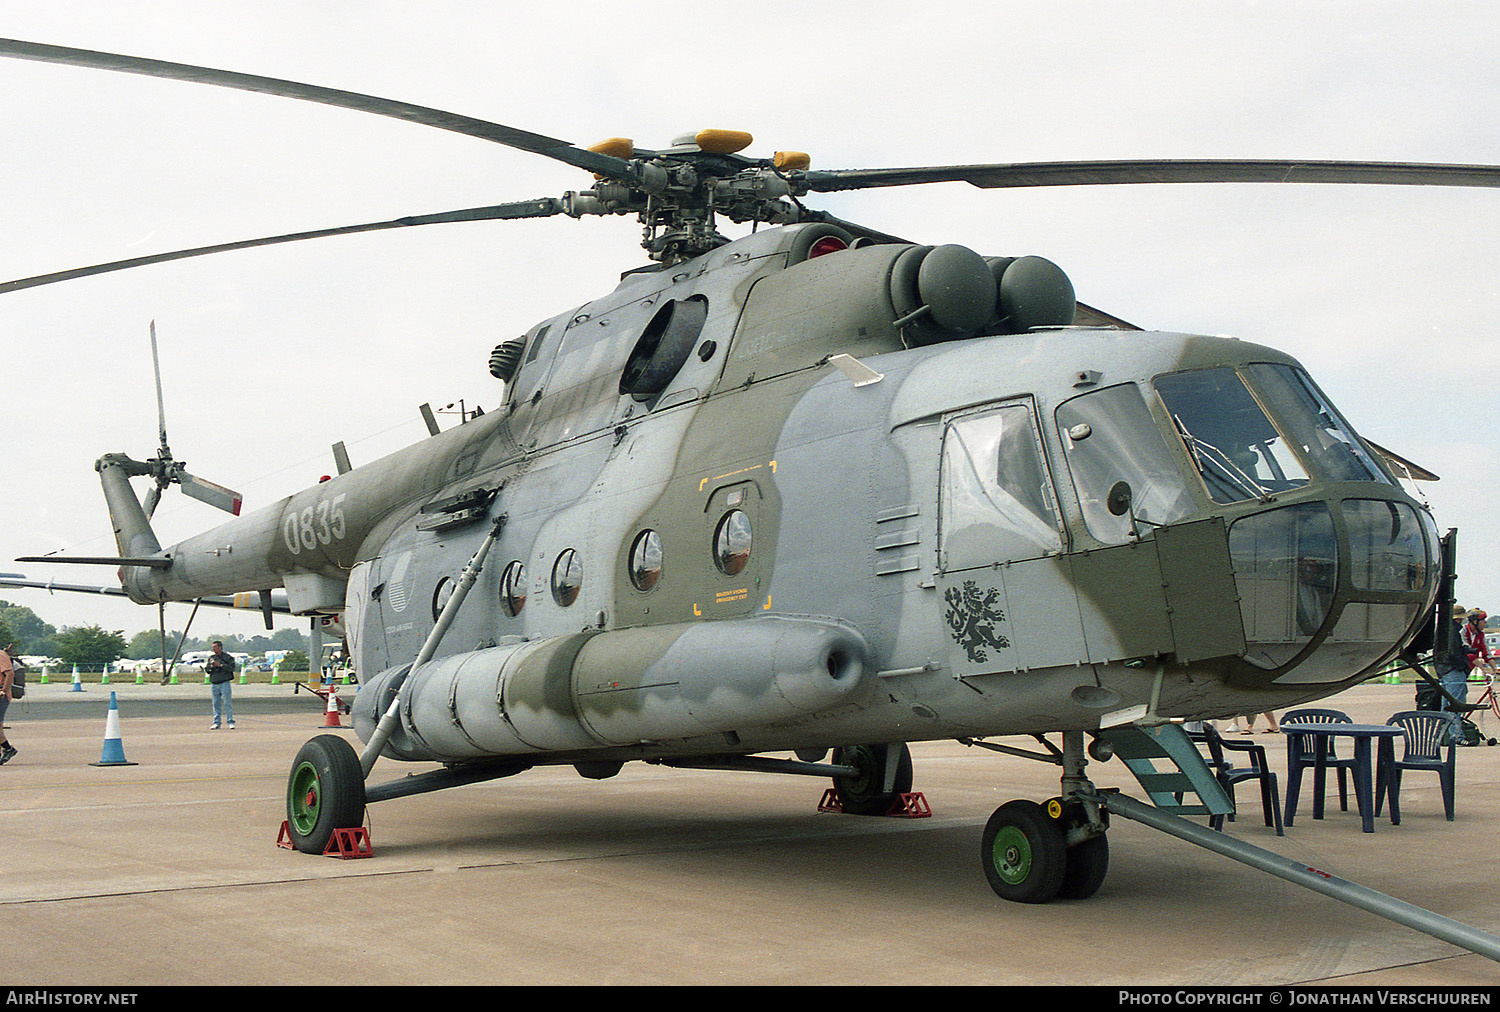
pixel 1451 660
pixel 220 671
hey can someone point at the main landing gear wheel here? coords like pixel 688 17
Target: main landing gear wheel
pixel 325 792
pixel 864 792
pixel 1024 856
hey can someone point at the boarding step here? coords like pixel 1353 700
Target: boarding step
pixel 1182 771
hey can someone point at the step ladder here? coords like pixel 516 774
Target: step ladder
pixel 1170 769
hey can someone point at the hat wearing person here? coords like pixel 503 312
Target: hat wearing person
pixel 1459 611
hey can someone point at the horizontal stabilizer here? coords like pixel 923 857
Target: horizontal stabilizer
pixel 250 600
pixel 150 561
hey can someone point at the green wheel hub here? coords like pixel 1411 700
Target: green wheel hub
pixel 303 800
pixel 1012 855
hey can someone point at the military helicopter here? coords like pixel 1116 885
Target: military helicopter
pixel 820 491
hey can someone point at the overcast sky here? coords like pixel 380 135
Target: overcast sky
pixel 270 356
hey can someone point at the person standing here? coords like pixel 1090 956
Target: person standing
pixel 1451 660
pixel 220 671
pixel 1474 644
pixel 7 681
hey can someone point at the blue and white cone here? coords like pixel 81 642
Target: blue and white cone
pixel 77 682
pixel 114 748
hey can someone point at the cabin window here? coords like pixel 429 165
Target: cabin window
pixel 1111 440
pixel 997 502
pixel 645 560
pixel 567 578
pixel 513 589
pixel 732 543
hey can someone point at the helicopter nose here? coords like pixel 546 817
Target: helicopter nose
pixel 1329 589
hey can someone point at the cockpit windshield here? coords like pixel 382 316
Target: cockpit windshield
pixel 1311 423
pixel 1237 450
pixel 1240 452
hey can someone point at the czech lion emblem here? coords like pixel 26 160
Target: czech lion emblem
pixel 972 616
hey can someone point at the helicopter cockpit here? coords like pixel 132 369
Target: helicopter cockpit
pixel 1325 549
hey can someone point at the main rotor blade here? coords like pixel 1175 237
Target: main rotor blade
pixel 524 140
pixel 518 209
pixel 1110 173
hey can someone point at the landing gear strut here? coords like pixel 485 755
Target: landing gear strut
pixel 1035 853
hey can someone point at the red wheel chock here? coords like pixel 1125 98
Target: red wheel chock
pixel 906 806
pixel 911 806
pixel 345 843
pixel 349 843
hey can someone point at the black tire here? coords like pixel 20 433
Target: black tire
pixel 1023 854
pixel 864 793
pixel 1084 869
pixel 1086 863
pixel 325 791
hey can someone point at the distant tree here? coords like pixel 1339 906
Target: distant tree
pixel 147 644
pixel 89 646
pixel 27 628
pixel 7 637
pixel 295 661
pixel 288 639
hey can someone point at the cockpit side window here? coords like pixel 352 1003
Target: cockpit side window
pixel 1123 468
pixel 996 500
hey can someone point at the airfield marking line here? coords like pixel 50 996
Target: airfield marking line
pixel 33 812
pixel 365 871
pixel 137 783
pixel 198 887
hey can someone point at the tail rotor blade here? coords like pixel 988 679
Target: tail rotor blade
pixel 215 495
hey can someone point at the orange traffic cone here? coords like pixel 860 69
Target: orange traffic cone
pixel 331 715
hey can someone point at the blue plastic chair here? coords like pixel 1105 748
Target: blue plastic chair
pixel 1302 753
pixel 1228 774
pixel 1430 735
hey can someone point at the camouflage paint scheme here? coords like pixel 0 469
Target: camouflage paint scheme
pixel 849 622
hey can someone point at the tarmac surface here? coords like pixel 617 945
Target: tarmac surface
pixel 167 872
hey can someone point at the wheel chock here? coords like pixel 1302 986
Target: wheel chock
pixel 345 843
pixel 911 806
pixel 906 806
pixel 349 843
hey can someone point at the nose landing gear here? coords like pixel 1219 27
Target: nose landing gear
pixel 1035 853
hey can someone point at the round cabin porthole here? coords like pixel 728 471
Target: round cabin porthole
pixel 567 578
pixel 732 543
pixel 645 560
pixel 513 589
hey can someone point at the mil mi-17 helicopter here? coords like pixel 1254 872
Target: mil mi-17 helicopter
pixel 818 490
